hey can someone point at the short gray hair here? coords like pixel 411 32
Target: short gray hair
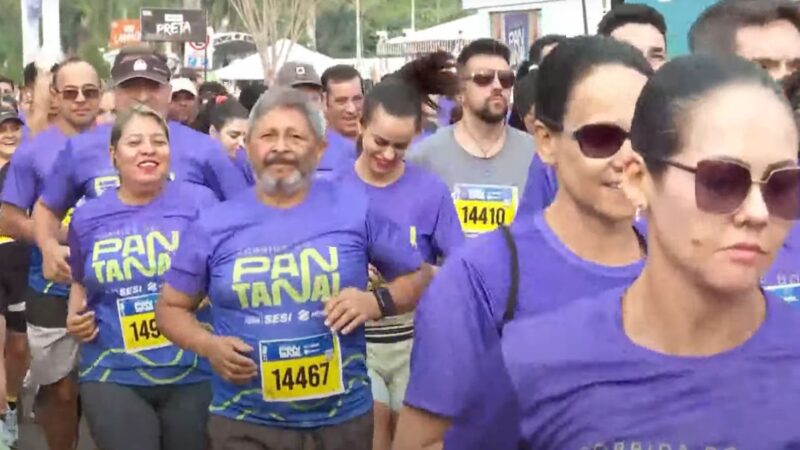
pixel 286 97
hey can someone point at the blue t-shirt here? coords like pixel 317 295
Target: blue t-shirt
pixel 120 254
pixel 29 170
pixel 267 272
pixel 420 202
pixel 84 168
pixel 243 164
pixel 540 189
pixel 581 383
pixel 339 156
pixel 456 366
pixel 783 277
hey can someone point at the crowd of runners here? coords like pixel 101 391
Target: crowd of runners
pixel 594 250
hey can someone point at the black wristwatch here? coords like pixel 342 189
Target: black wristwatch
pixel 385 301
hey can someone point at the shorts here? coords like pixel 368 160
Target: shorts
pixel 229 434
pixel 54 354
pixel 388 366
pixel 13 287
pixel 170 417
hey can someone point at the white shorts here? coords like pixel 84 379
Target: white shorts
pixel 54 354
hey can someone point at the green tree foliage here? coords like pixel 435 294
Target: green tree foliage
pixel 85 24
pixel 336 22
pixel 11 43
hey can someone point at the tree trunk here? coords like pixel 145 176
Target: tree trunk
pixel 311 26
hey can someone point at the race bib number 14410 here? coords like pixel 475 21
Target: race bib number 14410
pixel 482 208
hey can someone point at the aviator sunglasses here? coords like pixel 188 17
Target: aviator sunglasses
pixel 721 187
pixel 485 78
pixel 71 94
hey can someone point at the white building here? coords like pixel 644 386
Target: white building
pixel 519 22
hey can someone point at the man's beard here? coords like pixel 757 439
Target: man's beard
pixel 288 186
pixel 283 187
pixel 486 114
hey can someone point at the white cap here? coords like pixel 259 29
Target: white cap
pixel 183 84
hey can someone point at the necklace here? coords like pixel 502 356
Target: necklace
pixel 484 151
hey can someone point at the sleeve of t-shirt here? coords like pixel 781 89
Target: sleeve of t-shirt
pixel 76 254
pixel 20 186
pixel 389 248
pixel 447 234
pixel 189 272
pixel 60 191
pixel 540 188
pixel 456 348
pixel 221 173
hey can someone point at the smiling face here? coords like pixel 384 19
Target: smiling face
pixel 142 154
pixel 723 252
pixel 385 141
pixel 10 136
pixel 606 95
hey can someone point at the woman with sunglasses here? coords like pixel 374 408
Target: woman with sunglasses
pixel 582 243
pixel 138 390
pixel 693 354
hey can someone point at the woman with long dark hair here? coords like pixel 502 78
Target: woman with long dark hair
pixel 416 199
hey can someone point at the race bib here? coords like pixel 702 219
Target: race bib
pixel 102 184
pixel 482 208
pixel 137 319
pixel 301 369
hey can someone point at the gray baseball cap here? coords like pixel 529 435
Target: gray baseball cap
pixel 295 74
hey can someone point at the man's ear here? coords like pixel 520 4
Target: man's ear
pixel 634 180
pixel 545 143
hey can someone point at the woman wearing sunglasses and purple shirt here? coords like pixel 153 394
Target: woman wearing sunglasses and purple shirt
pixel 583 243
pixel 693 354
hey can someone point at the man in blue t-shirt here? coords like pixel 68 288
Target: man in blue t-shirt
pixel 285 267
pixel 76 92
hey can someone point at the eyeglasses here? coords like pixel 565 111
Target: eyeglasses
pixel 722 186
pixel 486 77
pixel 600 140
pixel 71 94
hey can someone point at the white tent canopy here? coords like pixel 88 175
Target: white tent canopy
pixel 469 28
pixel 250 68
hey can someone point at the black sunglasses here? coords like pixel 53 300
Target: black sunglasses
pixel 722 186
pixel 600 140
pixel 485 78
pixel 71 94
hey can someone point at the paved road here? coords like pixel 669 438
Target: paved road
pixel 32 438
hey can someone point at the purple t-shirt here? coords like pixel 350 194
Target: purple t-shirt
pixel 339 156
pixel 243 164
pixel 457 370
pixel 783 277
pixel 421 203
pixel 581 383
pixel 540 189
pixel 28 171
pixel 120 253
pixel 266 272
pixel 84 168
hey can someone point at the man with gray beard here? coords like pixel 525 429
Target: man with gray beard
pixel 483 161
pixel 285 266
